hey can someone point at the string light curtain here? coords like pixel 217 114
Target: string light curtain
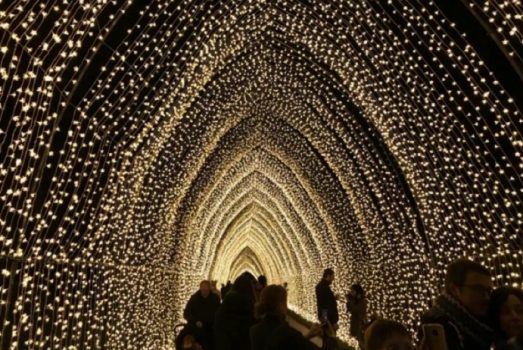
pixel 147 145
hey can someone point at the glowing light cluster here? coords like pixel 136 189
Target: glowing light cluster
pixel 146 145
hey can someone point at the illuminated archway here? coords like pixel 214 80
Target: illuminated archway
pixel 146 145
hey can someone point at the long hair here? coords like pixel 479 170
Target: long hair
pixel 328 272
pixel 497 299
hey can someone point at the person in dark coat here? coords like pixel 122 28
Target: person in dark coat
pixel 199 313
pixel 326 299
pixel 274 333
pixel 236 315
pixel 357 308
pixel 462 308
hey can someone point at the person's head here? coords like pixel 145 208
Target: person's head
pixel 262 281
pixel 205 288
pixel 273 300
pixel 387 334
pixel 328 275
pixel 244 285
pixel 469 283
pixel 506 311
pixel 357 291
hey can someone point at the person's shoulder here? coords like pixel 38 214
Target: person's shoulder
pixel 291 338
pixel 238 302
pixel 284 330
pixel 434 315
pixel 256 328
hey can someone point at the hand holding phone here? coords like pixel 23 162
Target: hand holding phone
pixel 313 331
pixel 324 317
pixel 434 337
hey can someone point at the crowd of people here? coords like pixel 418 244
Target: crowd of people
pixel 251 315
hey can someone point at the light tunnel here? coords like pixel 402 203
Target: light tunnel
pixel 148 145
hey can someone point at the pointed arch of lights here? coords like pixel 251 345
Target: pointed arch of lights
pixel 147 145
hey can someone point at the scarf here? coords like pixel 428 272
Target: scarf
pixel 467 325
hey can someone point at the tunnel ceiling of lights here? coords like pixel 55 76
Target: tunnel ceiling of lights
pixel 147 145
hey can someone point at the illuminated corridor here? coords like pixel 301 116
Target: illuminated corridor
pixel 147 145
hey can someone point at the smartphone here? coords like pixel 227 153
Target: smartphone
pixel 323 317
pixel 434 336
